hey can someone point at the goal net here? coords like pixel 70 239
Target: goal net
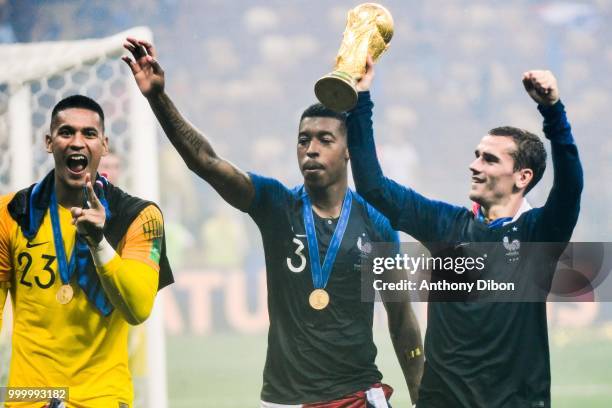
pixel 33 78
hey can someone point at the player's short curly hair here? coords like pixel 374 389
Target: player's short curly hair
pixel 318 110
pixel 529 154
pixel 77 101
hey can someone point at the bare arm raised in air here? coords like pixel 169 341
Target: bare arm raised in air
pixel 233 184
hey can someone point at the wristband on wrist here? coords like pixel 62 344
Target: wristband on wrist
pixel 414 353
pixel 102 253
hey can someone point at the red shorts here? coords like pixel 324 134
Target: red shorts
pixel 377 395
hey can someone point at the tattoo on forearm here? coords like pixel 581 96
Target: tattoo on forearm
pixel 180 132
pixel 194 140
pixel 196 151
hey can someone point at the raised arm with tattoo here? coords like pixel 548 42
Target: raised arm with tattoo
pixel 229 181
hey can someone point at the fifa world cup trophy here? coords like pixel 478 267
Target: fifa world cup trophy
pixel 369 29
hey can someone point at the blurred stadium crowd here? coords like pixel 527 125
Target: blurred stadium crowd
pixel 242 71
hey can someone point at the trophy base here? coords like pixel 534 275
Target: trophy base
pixel 337 91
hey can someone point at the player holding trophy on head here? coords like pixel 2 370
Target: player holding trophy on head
pixel 321 351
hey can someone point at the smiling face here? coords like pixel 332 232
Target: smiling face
pixel 494 179
pixel 322 151
pixel 77 143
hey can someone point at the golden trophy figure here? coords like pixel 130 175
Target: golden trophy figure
pixel 369 29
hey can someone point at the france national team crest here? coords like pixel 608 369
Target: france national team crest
pixel 364 245
pixel 512 248
pixel 365 250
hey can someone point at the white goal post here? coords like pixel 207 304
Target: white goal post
pixel 33 78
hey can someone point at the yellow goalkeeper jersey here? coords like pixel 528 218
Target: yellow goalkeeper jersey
pixel 68 345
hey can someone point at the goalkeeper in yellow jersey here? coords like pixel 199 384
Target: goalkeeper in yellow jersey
pixel 82 260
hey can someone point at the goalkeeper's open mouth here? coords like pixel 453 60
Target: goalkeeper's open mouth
pixel 77 164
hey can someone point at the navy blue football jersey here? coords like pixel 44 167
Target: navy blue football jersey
pixel 315 355
pixel 483 354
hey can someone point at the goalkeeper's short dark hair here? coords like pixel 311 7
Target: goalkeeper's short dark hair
pixel 77 101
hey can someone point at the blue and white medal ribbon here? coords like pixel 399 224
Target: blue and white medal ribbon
pixel 66 269
pixel 319 298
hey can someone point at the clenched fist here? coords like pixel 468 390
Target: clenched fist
pixel 541 86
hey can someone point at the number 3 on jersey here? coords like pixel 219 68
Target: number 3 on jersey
pixel 298 252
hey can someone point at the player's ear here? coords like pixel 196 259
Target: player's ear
pixel 48 141
pixel 343 132
pixel 105 145
pixel 522 178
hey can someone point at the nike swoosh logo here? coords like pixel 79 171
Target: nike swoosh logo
pixel 31 245
pixel 300 236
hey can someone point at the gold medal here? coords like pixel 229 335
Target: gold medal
pixel 318 299
pixel 64 294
